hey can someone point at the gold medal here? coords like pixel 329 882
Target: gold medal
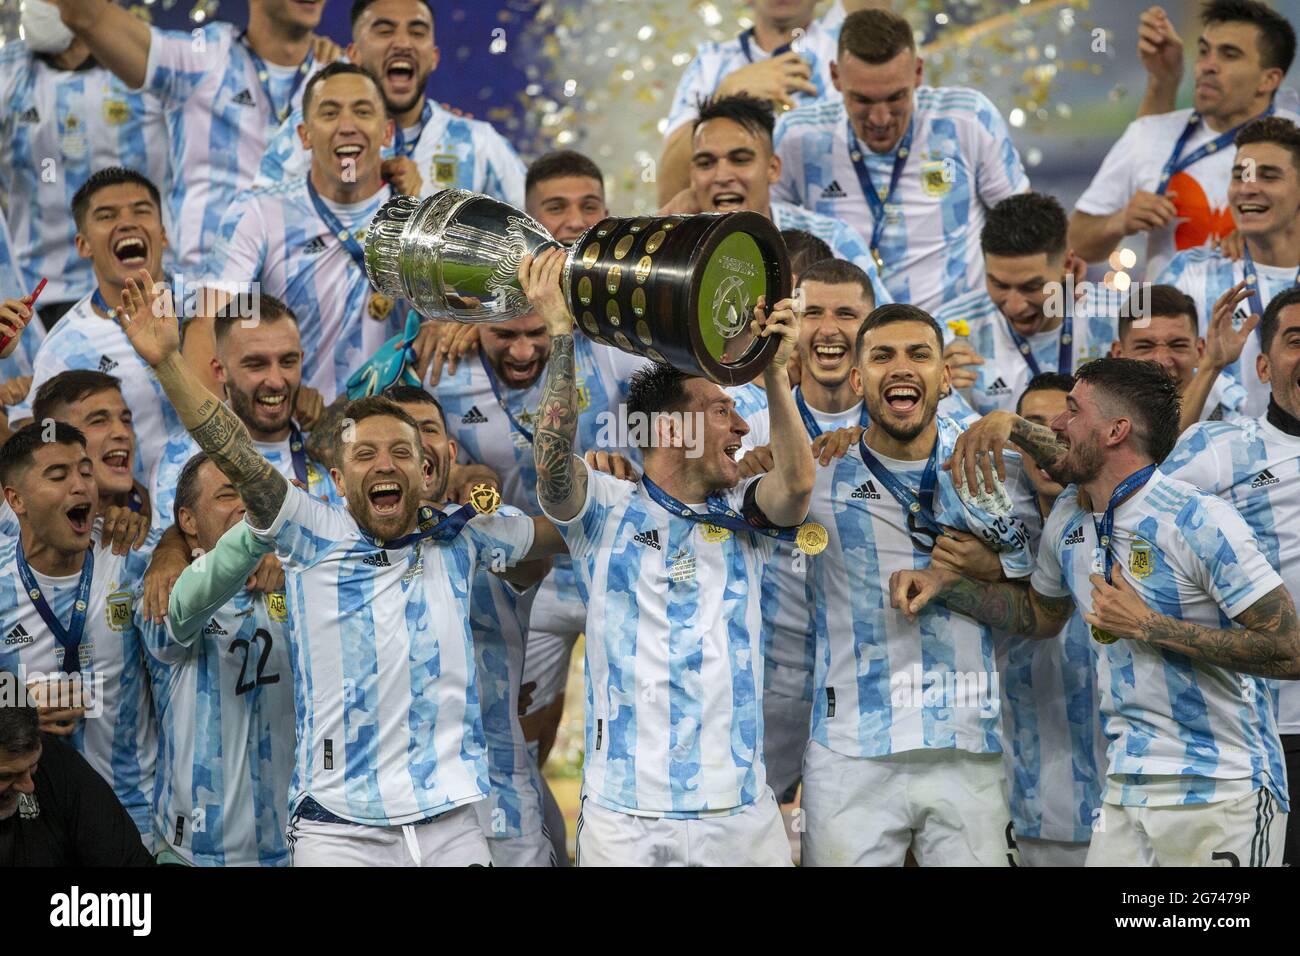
pixel 812 538
pixel 713 534
pixel 485 498
pixel 1103 637
pixel 380 305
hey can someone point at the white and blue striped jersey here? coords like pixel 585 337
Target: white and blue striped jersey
pixel 751 405
pixel 674 655
pixel 223 686
pixel 1180 732
pixel 1205 275
pixel 386 704
pixel 58 127
pixel 1256 466
pixel 11 287
pixel 83 339
pixel 181 447
pixel 219 122
pixel 884 685
pixel 962 160
pixel 714 61
pixel 844 240
pixel 1005 373
pixel 451 152
pixel 498 620
pixel 273 236
pixel 118 736
pixel 1054 746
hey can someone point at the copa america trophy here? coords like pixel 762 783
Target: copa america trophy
pixel 676 289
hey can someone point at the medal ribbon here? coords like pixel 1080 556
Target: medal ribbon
pixel 432 524
pixel 298 450
pixel 333 224
pixel 744 39
pixel 1065 353
pixel 810 423
pixel 400 146
pixel 69 638
pixel 719 513
pixel 496 392
pixel 1106 526
pixel 875 201
pixel 921 505
pixel 1177 162
pixel 264 78
pixel 1252 280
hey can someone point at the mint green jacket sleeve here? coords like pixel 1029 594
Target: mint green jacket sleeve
pixel 212 580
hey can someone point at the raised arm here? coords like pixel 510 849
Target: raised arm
pixel 561 475
pixel 1010 606
pixel 1160 49
pixel 149 320
pixel 118 39
pixel 1223 346
pixel 785 492
pixel 981 446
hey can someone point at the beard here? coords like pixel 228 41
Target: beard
pixel 384 527
pixel 1079 465
pixel 247 410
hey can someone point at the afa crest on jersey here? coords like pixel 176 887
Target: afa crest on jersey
pixel 277 609
pixel 937 177
pixel 119 610
pixel 116 112
pixel 1140 561
pixel 442 168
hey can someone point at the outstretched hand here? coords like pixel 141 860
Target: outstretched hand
pixel 148 318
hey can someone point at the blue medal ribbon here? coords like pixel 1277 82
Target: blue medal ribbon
pixel 810 423
pixel 875 201
pixel 298 451
pixel 264 78
pixel 1106 526
pixel 496 392
pixel 1065 348
pixel 918 504
pixel 1177 162
pixel 432 524
pixel 135 501
pixel 1252 281
pixel 69 638
pixel 400 145
pixel 748 35
pixel 332 223
pixel 719 513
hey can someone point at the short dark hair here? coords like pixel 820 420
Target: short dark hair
pixel 269 309
pixel 1046 382
pixel 655 388
pixel 359 7
pixel 187 485
pixel 1271 320
pixel 102 179
pixel 896 312
pixel 68 388
pixel 337 68
pixel 875 36
pixel 1276 35
pixel 16 453
pixel 558 163
pixel 20 727
pixel 1273 129
pixel 1024 225
pixel 804 249
pixel 1166 301
pixel 750 112
pixel 1146 393
pixel 372 406
pixel 839 272
pixel 414 395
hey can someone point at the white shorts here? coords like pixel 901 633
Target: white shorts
pixel 453 839
pixel 787 720
pixel 554 624
pixel 1035 852
pixel 753 837
pixel 1247 831
pixel 949 806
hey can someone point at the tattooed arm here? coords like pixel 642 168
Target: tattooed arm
pixel 561 475
pixel 149 322
pixel 1011 606
pixel 981 446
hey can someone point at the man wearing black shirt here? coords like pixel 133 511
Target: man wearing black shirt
pixel 54 809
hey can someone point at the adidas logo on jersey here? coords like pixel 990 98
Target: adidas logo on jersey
pixel 866 491
pixel 377 560
pixel 998 387
pixel 18 636
pixel 473 417
pixel 243 98
pixel 107 364
pixel 833 191
pixel 648 537
pixel 1074 537
pixel 29 115
pixel 1265 477
pixel 212 627
pixel 314 247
